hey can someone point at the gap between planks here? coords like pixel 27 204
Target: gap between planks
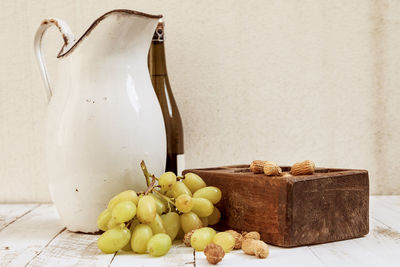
pixel 48 243
pixel 115 254
pixel 23 239
pixel 17 211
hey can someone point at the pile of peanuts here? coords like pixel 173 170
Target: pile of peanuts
pixel 270 168
pixel 249 242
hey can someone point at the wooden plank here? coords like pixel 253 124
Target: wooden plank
pixel 386 209
pixel 179 255
pixel 392 200
pixel 379 248
pixel 72 249
pixel 9 213
pixel 25 238
pixel 300 256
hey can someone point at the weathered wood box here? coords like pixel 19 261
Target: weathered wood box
pixel 288 211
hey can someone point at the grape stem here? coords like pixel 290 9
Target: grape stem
pixel 128 224
pixel 152 185
pixel 145 172
pixel 166 198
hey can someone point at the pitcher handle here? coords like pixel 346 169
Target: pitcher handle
pixel 69 41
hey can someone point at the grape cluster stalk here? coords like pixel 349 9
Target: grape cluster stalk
pixel 170 207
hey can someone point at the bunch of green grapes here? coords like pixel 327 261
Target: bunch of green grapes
pixel 148 222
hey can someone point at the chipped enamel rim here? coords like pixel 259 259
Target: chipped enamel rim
pixel 70 45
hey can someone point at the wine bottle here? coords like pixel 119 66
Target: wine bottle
pixel 172 118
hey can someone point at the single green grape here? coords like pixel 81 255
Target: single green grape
pixel 146 210
pixel 166 181
pixel 103 219
pixel 114 239
pixel 211 193
pixel 202 206
pixel 124 211
pixel 159 245
pixel 204 221
pixel 161 205
pixel 180 188
pixel 140 236
pixel 157 225
pixel 201 238
pixel 123 196
pixel 214 217
pixel 193 182
pixel 184 203
pixel 172 224
pixel 190 221
pixel 225 240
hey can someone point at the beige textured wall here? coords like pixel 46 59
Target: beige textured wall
pixel 279 80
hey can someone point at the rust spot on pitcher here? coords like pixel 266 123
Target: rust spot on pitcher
pixel 55 23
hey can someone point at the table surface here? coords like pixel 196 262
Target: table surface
pixel 31 235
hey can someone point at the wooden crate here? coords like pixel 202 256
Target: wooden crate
pixel 330 205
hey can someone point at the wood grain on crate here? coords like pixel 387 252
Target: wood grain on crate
pixel 289 211
pixel 31 235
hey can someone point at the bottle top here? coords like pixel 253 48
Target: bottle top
pixel 159 33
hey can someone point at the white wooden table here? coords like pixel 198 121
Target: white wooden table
pixel 31 235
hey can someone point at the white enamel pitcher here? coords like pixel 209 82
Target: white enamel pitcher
pixel 103 115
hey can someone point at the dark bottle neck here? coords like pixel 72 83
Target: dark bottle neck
pixel 157 65
pixel 156 59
